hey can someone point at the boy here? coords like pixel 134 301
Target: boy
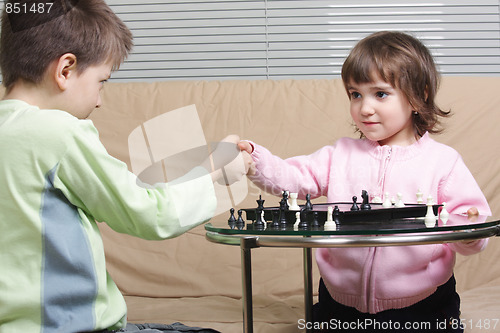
pixel 56 178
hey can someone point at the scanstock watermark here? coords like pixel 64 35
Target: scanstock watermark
pixel 168 147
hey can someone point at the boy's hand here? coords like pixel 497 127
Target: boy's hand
pixel 235 169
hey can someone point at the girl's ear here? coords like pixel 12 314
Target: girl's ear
pixel 65 69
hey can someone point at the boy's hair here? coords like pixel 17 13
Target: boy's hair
pixel 34 35
pixel 405 63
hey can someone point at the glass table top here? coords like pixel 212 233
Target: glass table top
pixel 371 227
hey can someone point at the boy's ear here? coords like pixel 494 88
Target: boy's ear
pixel 65 68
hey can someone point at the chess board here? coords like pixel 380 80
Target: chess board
pixel 345 214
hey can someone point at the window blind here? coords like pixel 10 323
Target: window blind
pixel 281 39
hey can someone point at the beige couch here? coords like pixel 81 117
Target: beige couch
pixel 191 280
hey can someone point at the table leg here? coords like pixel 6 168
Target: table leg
pixel 246 245
pixel 308 294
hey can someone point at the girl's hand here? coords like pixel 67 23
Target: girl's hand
pixel 472 213
pixel 245 146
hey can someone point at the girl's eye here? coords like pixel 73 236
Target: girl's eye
pixel 381 94
pixel 355 95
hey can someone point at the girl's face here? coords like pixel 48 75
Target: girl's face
pixel 382 113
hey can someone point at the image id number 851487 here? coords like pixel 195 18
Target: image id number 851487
pixel 482 324
pixel 26 8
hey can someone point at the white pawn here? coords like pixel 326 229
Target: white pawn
pixel 293 202
pixel 330 223
pixel 387 201
pixel 400 202
pixel 297 221
pixel 420 197
pixel 443 214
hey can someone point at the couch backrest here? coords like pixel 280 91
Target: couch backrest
pixel 289 117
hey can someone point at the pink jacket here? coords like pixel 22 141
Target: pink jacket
pixel 375 279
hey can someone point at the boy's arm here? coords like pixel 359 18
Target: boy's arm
pixel 103 188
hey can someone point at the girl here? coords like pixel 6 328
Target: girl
pixel 391 81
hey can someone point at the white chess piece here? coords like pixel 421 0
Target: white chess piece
pixel 443 214
pixel 387 201
pixel 263 219
pixel 430 211
pixel 330 223
pixel 297 221
pixel 400 202
pixel 420 197
pixel 293 202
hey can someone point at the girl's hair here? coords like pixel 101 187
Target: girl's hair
pixel 31 40
pixel 405 63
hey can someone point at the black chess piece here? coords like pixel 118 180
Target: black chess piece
pixel 336 214
pixel 365 205
pixel 232 219
pixel 260 202
pixel 240 218
pixel 315 220
pixel 276 219
pixel 308 206
pixel 303 224
pixel 283 210
pixel 285 199
pixel 258 213
pixel 354 203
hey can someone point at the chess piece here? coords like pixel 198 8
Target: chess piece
pixel 387 201
pixel 354 203
pixel 283 210
pixel 232 218
pixel 297 221
pixel 400 202
pixel 430 211
pixel 329 223
pixel 365 205
pixel 308 205
pixel 285 199
pixel 293 202
pixel 420 197
pixel 336 214
pixel 443 214
pixel 303 224
pixel 259 213
pixel 315 221
pixel 276 219
pixel 240 218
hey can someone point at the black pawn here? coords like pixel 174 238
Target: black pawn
pixel 232 220
pixel 308 205
pixel 240 218
pixel 354 203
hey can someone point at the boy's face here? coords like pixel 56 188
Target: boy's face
pixel 85 90
pixel 381 112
